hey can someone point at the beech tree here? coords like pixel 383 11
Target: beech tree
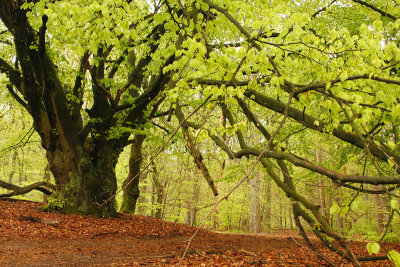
pixel 85 121
pixel 92 74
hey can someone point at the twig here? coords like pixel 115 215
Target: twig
pixel 21 142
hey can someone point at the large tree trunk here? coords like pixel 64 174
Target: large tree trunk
pixel 131 183
pixel 85 184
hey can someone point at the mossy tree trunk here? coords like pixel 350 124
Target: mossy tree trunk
pixel 85 184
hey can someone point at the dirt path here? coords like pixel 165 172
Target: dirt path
pixel 110 250
pixel 29 237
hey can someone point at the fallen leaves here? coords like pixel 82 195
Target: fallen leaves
pixel 29 237
pixel 22 219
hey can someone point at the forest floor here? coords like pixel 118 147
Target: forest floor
pixel 29 237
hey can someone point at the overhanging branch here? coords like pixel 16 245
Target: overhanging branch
pixel 320 126
pixel 374 8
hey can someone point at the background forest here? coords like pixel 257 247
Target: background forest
pixel 173 189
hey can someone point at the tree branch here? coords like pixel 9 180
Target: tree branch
pixel 13 75
pixel 198 158
pixel 312 122
pixel 17 97
pixel 311 87
pixel 322 9
pixel 374 8
pixel 17 190
pixel 42 36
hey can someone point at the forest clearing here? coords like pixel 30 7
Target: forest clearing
pixel 73 240
pixel 270 128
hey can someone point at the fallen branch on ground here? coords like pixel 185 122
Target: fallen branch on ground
pixel 44 187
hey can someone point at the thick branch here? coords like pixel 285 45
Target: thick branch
pixel 198 158
pixel 42 36
pixel 154 88
pixel 16 96
pixel 77 91
pixel 375 180
pixel 227 113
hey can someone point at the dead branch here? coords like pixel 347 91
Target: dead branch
pixel 44 187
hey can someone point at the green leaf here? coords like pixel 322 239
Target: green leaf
pixel 391 144
pixel 394 256
pixel 390 162
pixel 394 203
pixel 344 211
pixel 334 209
pixel 275 81
pixel 328 85
pixel 373 248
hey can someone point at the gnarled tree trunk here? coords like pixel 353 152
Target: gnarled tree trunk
pixel 86 183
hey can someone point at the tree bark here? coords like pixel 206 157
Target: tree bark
pixel 131 183
pixel 321 183
pixel 87 185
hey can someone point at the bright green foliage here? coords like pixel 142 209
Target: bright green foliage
pixel 395 257
pixel 334 209
pixel 373 248
pixel 318 81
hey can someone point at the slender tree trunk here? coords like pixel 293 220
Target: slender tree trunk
pixel 322 197
pixel 143 199
pixel 159 193
pixel 131 183
pixel 221 173
pixel 280 213
pixel 338 217
pixel 378 212
pixel 191 203
pixel 255 218
pixel 13 161
pixel 321 185
pixel 216 220
pixel 268 199
pixel 46 178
